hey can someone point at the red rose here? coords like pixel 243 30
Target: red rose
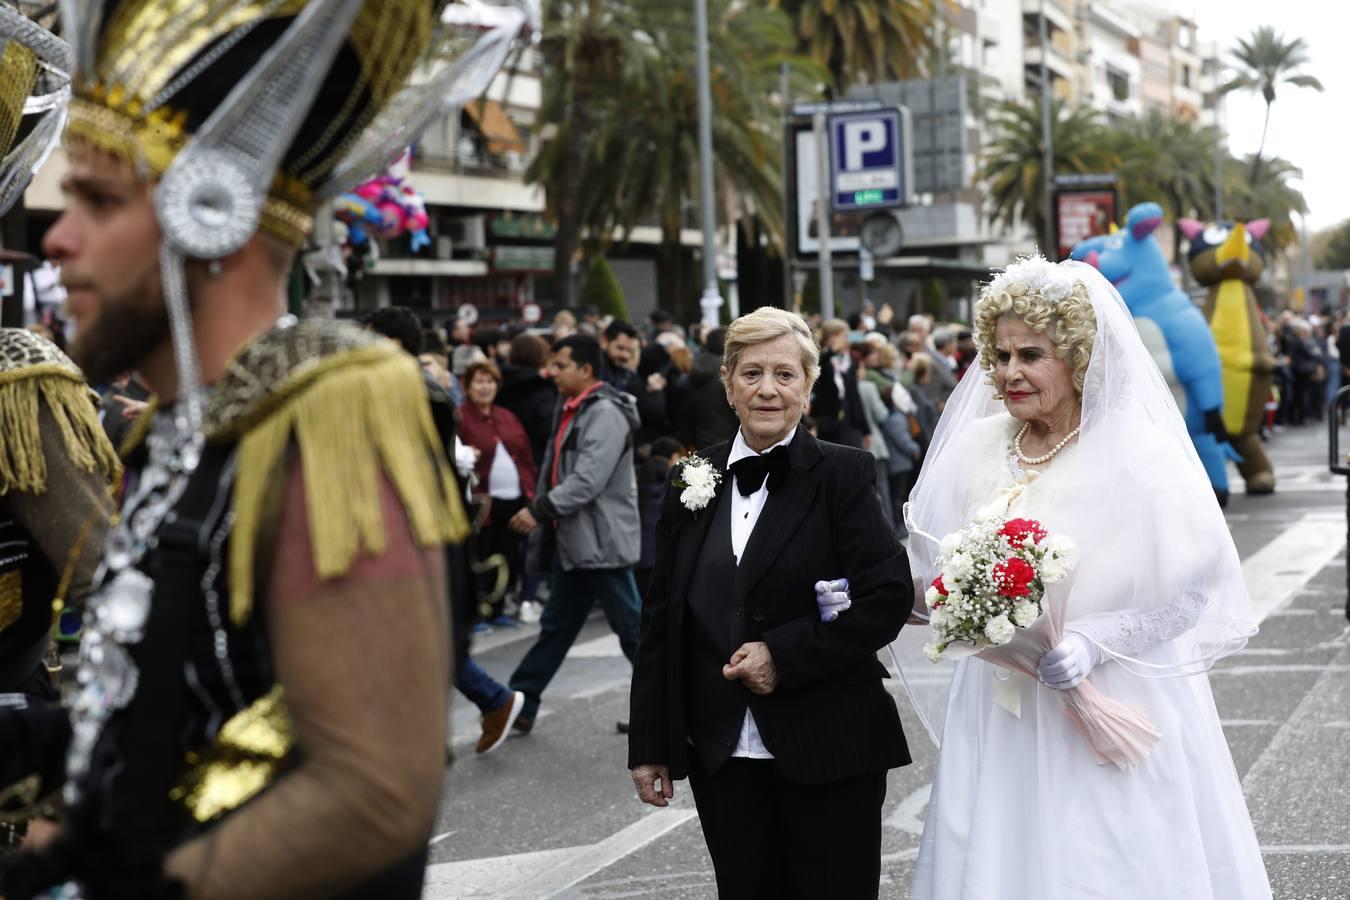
pixel 1018 530
pixel 1013 577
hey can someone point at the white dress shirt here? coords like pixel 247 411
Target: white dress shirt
pixel 744 514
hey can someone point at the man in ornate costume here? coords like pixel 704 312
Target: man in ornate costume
pixel 55 463
pixel 261 702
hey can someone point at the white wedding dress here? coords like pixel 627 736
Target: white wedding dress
pixel 1020 809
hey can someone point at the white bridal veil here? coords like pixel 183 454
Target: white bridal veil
pixel 1159 585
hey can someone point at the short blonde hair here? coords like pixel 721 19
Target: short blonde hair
pixel 766 324
pixel 1070 323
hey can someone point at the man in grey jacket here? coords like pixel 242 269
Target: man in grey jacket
pixel 586 505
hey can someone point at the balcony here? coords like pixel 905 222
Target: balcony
pixel 1055 62
pixel 1056 16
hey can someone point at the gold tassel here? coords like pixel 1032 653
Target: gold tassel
pixel 367 415
pixel 23 467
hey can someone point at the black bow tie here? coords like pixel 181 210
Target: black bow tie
pixel 750 471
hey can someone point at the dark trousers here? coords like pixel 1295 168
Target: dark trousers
pixel 772 839
pixel 497 537
pixel 570 599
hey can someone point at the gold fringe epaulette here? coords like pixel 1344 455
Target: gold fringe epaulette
pixel 355 406
pixel 33 372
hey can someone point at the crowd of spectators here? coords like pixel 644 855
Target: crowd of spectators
pixel 882 388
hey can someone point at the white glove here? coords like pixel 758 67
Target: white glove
pixel 1069 663
pixel 832 598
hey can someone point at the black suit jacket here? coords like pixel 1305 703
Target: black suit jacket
pixel 830 716
pixel 839 418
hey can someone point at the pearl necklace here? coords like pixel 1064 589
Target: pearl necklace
pixel 1036 461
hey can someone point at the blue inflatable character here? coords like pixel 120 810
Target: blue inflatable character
pixel 1173 329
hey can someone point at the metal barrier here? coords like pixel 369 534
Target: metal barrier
pixel 1340 465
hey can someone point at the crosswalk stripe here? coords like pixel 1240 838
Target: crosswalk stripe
pixel 1276 572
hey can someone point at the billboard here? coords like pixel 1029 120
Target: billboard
pixel 844 227
pixel 1081 213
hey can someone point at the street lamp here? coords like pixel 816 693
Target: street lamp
pixel 711 301
pixel 1047 143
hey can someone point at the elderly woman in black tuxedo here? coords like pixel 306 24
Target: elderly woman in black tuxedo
pixel 779 719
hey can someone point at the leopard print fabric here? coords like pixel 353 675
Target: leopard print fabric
pixel 20 349
pixel 278 366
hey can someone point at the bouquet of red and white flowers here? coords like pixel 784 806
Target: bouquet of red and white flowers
pixel 1002 594
pixel 992 582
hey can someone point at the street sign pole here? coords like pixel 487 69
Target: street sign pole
pixel 711 301
pixel 786 105
pixel 1047 143
pixel 823 206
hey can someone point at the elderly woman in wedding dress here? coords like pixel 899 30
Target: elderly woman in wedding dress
pixel 1073 425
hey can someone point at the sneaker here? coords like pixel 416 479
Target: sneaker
pixel 530 612
pixel 524 724
pixel 504 622
pixel 482 628
pixel 621 726
pixel 497 724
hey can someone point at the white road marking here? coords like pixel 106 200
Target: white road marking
pixel 1293 849
pixel 1295 479
pixel 907 817
pixel 605 687
pixel 596 648
pixel 438 838
pixel 529 876
pixel 1259 723
pixel 1276 572
pixel 1266 670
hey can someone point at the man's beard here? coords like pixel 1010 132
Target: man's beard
pixel 122 336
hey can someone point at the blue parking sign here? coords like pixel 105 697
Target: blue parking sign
pixel 868 160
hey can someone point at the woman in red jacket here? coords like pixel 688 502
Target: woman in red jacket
pixel 505 474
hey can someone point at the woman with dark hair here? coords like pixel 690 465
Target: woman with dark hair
pixel 527 392
pixel 655 376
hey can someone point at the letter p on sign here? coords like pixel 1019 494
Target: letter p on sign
pixel 861 137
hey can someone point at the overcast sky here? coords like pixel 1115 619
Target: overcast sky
pixel 1309 129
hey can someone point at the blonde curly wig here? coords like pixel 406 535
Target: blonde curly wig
pixel 1050 302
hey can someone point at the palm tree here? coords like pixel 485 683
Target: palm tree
pixel 1267 59
pixel 622 148
pixel 584 44
pixel 1167 160
pixel 1012 168
pixel 642 154
pixel 864 41
pixel 1269 196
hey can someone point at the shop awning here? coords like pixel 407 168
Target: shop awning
pixel 495 125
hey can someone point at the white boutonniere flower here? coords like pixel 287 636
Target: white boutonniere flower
pixel 697 481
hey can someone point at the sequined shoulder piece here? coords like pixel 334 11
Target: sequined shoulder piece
pixel 281 365
pixel 23 353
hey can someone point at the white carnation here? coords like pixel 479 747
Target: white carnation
pixel 938 617
pixel 698 476
pixel 1053 569
pixel 1024 614
pixel 1060 545
pixel 933 652
pixel 958 569
pixel 999 629
pixel 950 545
pixel 1061 555
pixel 697 496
